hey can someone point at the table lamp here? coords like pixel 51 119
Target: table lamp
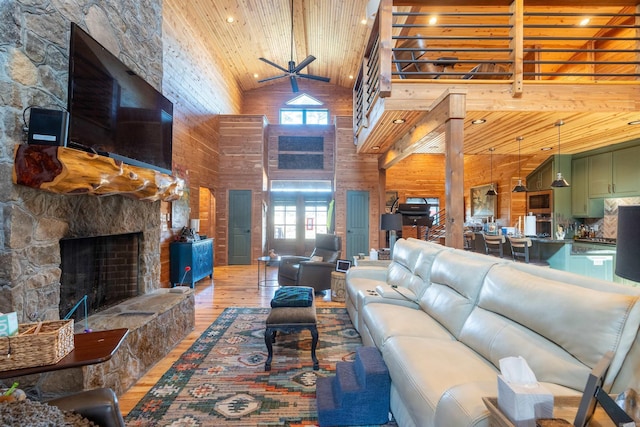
pixel 391 223
pixel 628 243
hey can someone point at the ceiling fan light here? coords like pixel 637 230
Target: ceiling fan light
pixel 560 182
pixel 519 188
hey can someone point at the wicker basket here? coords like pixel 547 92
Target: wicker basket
pixel 37 344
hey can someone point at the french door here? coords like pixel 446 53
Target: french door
pixel 294 221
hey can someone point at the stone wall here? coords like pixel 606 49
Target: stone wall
pixel 34 39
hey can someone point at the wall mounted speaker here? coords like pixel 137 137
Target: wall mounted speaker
pixel 48 127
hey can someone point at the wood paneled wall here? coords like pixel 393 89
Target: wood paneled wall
pixel 422 175
pixel 270 99
pixel 326 132
pixel 241 168
pixel 200 89
pixel 505 171
pixel 356 172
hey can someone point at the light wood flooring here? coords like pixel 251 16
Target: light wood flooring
pixel 232 286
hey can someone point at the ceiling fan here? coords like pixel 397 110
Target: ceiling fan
pixel 293 71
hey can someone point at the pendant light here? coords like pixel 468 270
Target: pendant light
pixel 560 181
pixel 492 191
pixel 519 188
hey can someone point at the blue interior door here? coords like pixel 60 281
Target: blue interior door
pixel 357 223
pixel 239 227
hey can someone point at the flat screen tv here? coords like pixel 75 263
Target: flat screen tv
pixel 113 111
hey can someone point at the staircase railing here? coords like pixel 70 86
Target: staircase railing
pixel 438 228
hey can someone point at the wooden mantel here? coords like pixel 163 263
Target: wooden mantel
pixel 65 170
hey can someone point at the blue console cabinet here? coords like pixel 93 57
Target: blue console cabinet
pixel 197 255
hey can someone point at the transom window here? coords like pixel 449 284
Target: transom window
pixel 303 110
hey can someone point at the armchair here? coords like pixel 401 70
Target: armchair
pixel 302 271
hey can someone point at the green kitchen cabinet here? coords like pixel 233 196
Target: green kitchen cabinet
pixel 626 172
pixel 615 174
pixel 581 205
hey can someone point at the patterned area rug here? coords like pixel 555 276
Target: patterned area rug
pixel 221 381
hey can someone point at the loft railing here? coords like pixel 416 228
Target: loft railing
pixel 513 44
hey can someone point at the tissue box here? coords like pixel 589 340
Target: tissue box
pixel 524 404
pixel 8 324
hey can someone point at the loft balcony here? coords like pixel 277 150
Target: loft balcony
pixel 520 66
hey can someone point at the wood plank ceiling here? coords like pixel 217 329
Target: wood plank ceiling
pixel 335 32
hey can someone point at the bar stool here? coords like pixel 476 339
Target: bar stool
pixel 494 244
pixel 520 248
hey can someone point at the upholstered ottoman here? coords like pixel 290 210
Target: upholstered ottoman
pixel 292 310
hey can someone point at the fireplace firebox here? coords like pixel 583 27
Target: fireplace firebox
pixel 104 268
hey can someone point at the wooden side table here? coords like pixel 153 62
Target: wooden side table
pixel 338 286
pixel 89 349
pixel 564 407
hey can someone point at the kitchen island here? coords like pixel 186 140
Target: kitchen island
pixel 585 257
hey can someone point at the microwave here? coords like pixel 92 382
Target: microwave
pixel 540 202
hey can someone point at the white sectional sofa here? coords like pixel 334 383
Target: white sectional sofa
pixel 461 312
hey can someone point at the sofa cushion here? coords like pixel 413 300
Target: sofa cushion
pixel 423 369
pixel 383 321
pixel 560 329
pixel 456 279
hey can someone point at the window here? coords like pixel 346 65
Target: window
pixel 299 215
pixel 284 220
pixel 304 116
pixel 304 110
pixel 315 215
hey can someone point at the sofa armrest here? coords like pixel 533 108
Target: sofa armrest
pixel 98 405
pixel 292 259
pixel 368 272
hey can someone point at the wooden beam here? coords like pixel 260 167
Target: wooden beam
pixel 540 96
pixel 386 23
pixel 454 182
pixel 450 105
pixel 64 170
pixel 517 47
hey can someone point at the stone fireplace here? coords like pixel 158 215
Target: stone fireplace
pixel 42 220
pixel 40 228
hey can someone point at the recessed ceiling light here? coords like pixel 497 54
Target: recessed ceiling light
pixel 585 21
pixel 479 121
pixel 375 147
pixel 398 121
pixel 433 20
pixel 256 75
pixel 230 19
pixel 364 21
pixel 546 148
pixel 351 76
pixel 634 122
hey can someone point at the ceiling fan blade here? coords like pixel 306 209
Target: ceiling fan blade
pixel 312 77
pixel 272 78
pixel 273 64
pixel 308 60
pixel 294 83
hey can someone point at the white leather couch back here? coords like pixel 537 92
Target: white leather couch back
pixel 560 330
pixel 456 278
pixel 401 271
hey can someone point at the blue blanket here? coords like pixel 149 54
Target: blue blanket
pixel 292 296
